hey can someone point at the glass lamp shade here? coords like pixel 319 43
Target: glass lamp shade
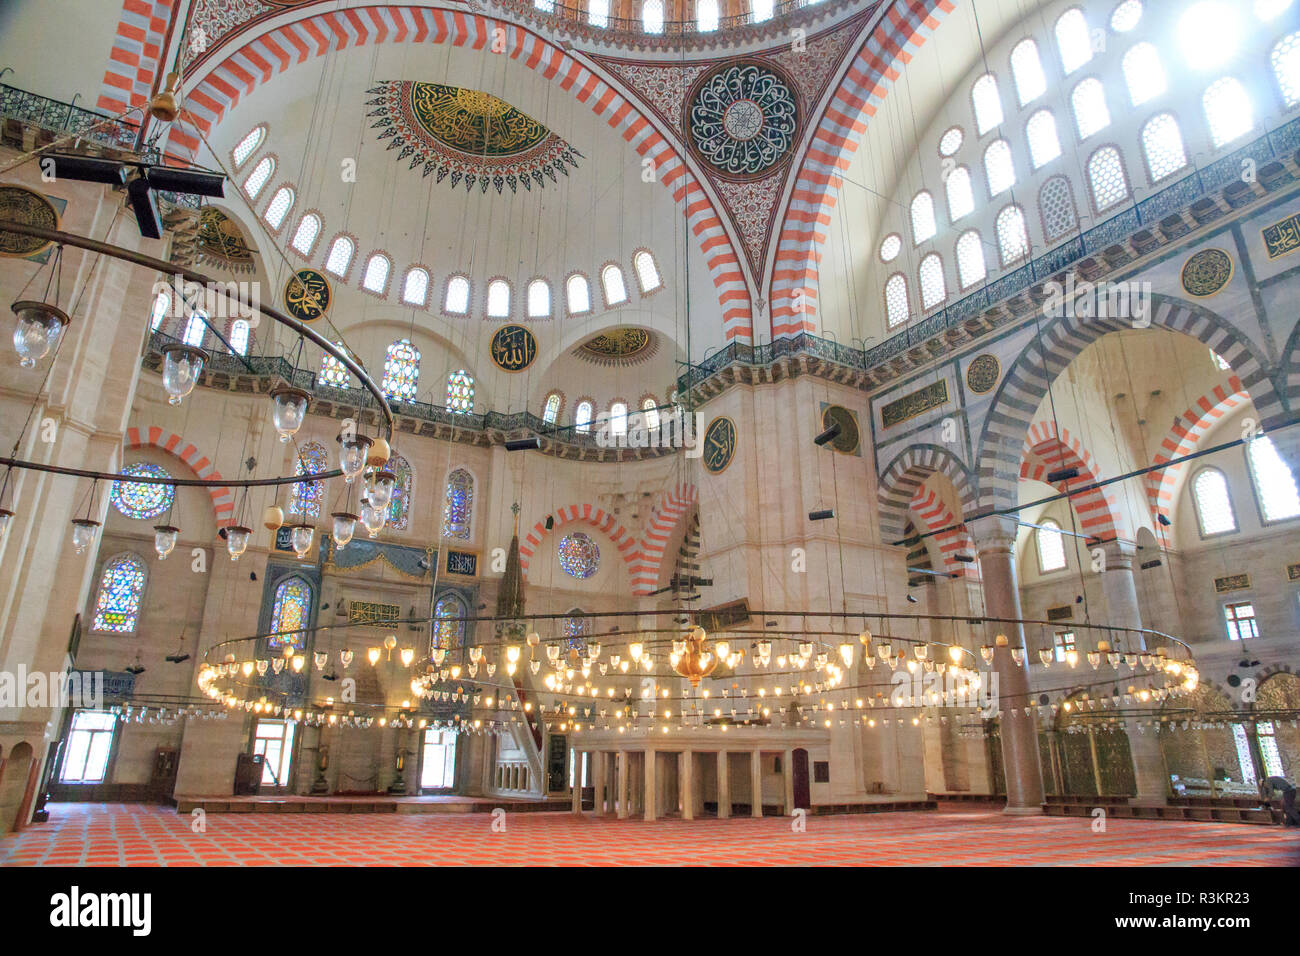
pixel 373 518
pixel 301 537
pixel 440 655
pixel 321 658
pixel 288 410
pixel 83 532
pixel 6 518
pixel 164 539
pixel 379 488
pixel 182 365
pixel 347 656
pixel 237 540
pixel 352 455
pixel 345 523
pixel 38 330
pixel 1045 655
pixel 407 655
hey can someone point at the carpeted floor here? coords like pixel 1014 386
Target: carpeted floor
pixel 140 835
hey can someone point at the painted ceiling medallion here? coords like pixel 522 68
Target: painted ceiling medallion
pixel 221 243
pixel 513 348
pixel 623 346
pixel 1206 272
pixel 468 136
pixel 26 206
pixel 744 118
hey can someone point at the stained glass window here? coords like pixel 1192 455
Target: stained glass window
pixel 399 508
pixel 457 299
pixel 999 167
pixel 195 329
pixel 120 589
pixel 1091 114
pixel 333 372
pixel 308 495
pixel 650 413
pixel 579 556
pixel 460 392
pixel 890 247
pixel 539 299
pixel 137 499
pixel 290 613
pixel 498 298
pixel 582 416
pixel 339 259
pixel 448 634
pixel 615 289
pixel 576 627
pixel 552 410
pixel 951 141
pixel 401 371
pixel 375 278
pixel 458 505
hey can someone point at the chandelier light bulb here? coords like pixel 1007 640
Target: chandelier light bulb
pixel 1072 657
pixel 237 540
pixel 372 655
pixel 886 651
pixel 301 537
pixel 39 328
pixel 182 366
pixel 164 539
pixel 634 652
pixel 440 655
pixel 298 662
pixel 352 454
pixel 345 525
pixel 408 655
pixel 83 533
pixel 846 654
pixel 289 409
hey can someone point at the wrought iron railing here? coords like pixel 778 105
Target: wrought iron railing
pixel 561 14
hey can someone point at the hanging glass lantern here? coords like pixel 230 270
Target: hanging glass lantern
pixel 379 488
pixel 373 518
pixel 289 410
pixel 346 657
pixel 1045 655
pixel 182 366
pixel 301 537
pixel 321 658
pixel 164 539
pixel 83 532
pixel 237 540
pixel 6 518
pixel 352 455
pixel 345 523
pixel 39 328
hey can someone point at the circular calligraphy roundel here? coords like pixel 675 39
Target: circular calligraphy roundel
pixel 743 119
pixel 307 295
pixel 513 348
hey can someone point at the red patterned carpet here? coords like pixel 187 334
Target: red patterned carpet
pixel 139 835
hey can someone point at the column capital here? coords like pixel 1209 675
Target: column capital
pixel 1119 554
pixel 993 533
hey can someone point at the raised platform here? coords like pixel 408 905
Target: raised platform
pixel 378 803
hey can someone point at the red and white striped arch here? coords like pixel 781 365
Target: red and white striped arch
pixel 223 500
pixel 1185 434
pixel 794 284
pixel 660 532
pixel 951 537
pixel 1048 449
pixel 219 83
pixel 134 61
pixel 587 514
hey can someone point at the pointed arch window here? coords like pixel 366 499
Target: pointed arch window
pixel 1143 73
pixel 401 371
pixel 460 392
pixel 239 331
pixel 1051 546
pixel 1091 115
pixel 999 167
pixel 930 275
pixel 1213 504
pixel 1013 240
pixel 961 200
pixel 1228 110
pixel 987 103
pixel 121 586
pixel 162 304
pixel 290 613
pixel 415 288
pixel 307 495
pixel 1027 72
pixel 458 505
pixel 1162 145
pixel 970 259
pixel 579 294
pixel 539 299
pixel 1274 484
pixel 339 260
pixel 333 372
pixel 1073 40
pixel 923 225
pixel 611 277
pixel 652 16
pixel 399 506
pixel 375 278
pixel 456 302
pixel 498 299
pixel 449 631
pixel 706 15
pixel 279 208
pixel 248 146
pixel 582 416
pixel 551 410
pixel 1044 143
pixel 256 180
pixel 647 273
pixel 304 237
pixel 896 309
pixel 1286 68
pixel 195 329
pixel 1106 178
pixel 1056 203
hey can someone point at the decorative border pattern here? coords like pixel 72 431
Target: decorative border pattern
pixel 223 500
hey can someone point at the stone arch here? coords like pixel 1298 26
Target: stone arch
pixel 1184 435
pixel 151 436
pixel 902 479
pixel 587 514
pixel 1048 448
pixel 669 516
pixel 929 511
pixel 1288 378
pixel 1051 351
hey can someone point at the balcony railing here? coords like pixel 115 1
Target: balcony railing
pixel 560 15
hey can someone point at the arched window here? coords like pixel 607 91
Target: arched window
pixel 706 15
pixel 162 304
pixel 598 13
pixel 279 208
pixel 415 289
pixel 923 226
pixel 449 632
pixel 375 278
pixel 999 168
pixel 551 410
pixel 1274 483
pixel 195 329
pixel 304 237
pixel 1106 178
pixel 896 309
pixel 498 299
pixel 611 277
pixel 1051 546
pixel 970 259
pixel 1162 145
pixel 582 417
pixel 1228 110
pixel 290 613
pixel 458 505
pixel 1209 32
pixel 142 500
pixel 578 293
pixel 339 259
pixel 460 392
pixel 401 371
pixel 1091 115
pixel 652 16
pixel 576 629
pixel 1056 204
pixel 539 299
pixel 579 555
pixel 248 146
pixel 961 201
pixel 1073 40
pixel 399 506
pixel 762 9
pixel 121 586
pixel 951 141
pixel 307 496
pixel 456 301
pixel 333 372
pixel 618 418
pixel 1013 240
pixel 930 274
pixel 1213 505
pixel 256 180
pixel 650 413
pixel 890 247
pixel 1286 68
pixel 1144 74
pixel 1044 143
pixel 1027 72
pixel 1126 16
pixel 987 103
pixel 647 273
pixel 239 336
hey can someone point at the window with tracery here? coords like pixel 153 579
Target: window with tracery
pixel 458 505
pixel 401 371
pixel 121 586
pixel 307 495
pixel 290 613
pixel 460 392
pixel 399 506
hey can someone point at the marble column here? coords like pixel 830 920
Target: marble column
pixel 575 791
pixel 686 783
pixel 724 786
pixel 598 781
pixel 788 766
pixel 648 798
pixel 1122 609
pixel 995 539
pixel 756 783
pixel 622 784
